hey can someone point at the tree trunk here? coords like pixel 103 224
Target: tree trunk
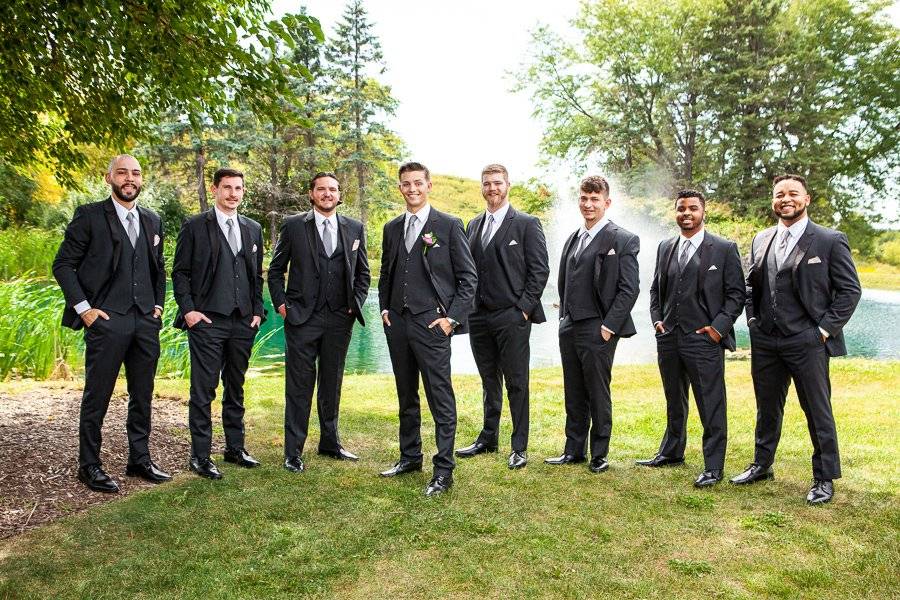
pixel 200 164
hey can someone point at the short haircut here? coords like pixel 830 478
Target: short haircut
pixel 224 172
pixel 594 184
pixel 792 176
pixel 320 175
pixel 414 166
pixel 495 168
pixel 689 193
pixel 115 159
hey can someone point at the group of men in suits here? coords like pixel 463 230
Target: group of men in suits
pixel 438 279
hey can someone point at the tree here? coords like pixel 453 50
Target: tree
pixel 363 142
pixel 102 72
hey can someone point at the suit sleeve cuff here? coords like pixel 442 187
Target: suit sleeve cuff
pixel 82 306
pixel 719 333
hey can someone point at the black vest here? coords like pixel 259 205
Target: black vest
pixel 682 307
pixel 332 277
pixel 580 302
pixel 494 291
pixel 411 288
pixel 131 284
pixel 781 309
pixel 230 289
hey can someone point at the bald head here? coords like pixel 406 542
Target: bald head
pixel 124 178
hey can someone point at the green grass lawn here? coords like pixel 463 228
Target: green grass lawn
pixel 338 530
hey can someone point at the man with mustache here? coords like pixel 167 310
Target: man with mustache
pixel 426 290
pixel 511 255
pixel 696 295
pixel 111 270
pixel 598 286
pixel 217 279
pixel 324 256
pixel 802 289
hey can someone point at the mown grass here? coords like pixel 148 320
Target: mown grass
pixel 340 531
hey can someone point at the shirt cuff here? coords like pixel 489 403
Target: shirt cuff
pixel 158 306
pixel 384 312
pixel 824 333
pixel 82 306
pixel 605 328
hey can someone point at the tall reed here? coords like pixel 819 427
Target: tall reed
pixel 27 252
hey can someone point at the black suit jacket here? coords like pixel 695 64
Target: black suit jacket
pixel 196 258
pixel 615 280
pixel 90 251
pixel 297 250
pixel 449 265
pixel 823 275
pixel 524 263
pixel 720 283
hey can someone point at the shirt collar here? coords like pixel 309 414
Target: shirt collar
pixel 595 229
pixel 694 240
pixel 123 212
pixel 422 215
pixel 320 219
pixel 797 229
pixel 499 214
pixel 222 217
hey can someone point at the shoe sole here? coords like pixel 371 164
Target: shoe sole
pixel 337 457
pixel 403 472
pixel 752 481
pixel 516 467
pixel 473 454
pixel 237 462
pixel 593 470
pixel 700 486
pixel 662 466
pixel 206 476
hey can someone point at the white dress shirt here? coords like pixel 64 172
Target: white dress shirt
pixel 421 219
pixel 693 243
pixel 222 218
pixel 797 230
pixel 332 227
pixel 498 215
pixel 592 233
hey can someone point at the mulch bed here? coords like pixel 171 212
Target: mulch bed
pixel 39 454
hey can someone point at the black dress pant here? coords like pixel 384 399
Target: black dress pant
pixel 220 349
pixel 500 345
pixel 326 337
pixel 696 359
pixel 587 372
pixel 774 361
pixel 416 349
pixel 131 339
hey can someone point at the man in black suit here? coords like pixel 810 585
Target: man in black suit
pixel 217 278
pixel 327 287
pixel 425 291
pixel 598 286
pixel 696 295
pixel 802 289
pixel 510 253
pixel 111 270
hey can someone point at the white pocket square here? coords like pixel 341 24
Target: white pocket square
pixel 254 248
pixel 513 243
pixel 713 268
pixel 611 251
pixel 355 245
pixel 437 246
pixel 814 260
pixel 155 241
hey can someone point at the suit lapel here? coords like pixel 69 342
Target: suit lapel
pixel 800 249
pixel 475 231
pixel 564 265
pixel 149 235
pixel 603 240
pixel 342 232
pixel 311 235
pixel 247 244
pixel 212 229
pixel 430 226
pixel 115 225
pixel 765 240
pixel 663 268
pixel 499 237
pixel 705 258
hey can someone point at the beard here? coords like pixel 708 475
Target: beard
pixel 124 196
pixel 798 213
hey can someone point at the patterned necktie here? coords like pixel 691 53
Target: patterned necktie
pixel 781 252
pixel 132 229
pixel 411 232
pixel 489 228
pixel 232 240
pixel 683 258
pixel 581 245
pixel 326 238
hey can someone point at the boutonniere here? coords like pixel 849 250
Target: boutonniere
pixel 429 240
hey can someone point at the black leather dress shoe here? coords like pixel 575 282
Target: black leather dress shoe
pixel 564 459
pixel 294 464
pixel 822 491
pixel 148 471
pixel 660 461
pixel 401 467
pixel 753 474
pixel 708 478
pixel 475 449
pixel 598 464
pixel 205 467
pixel 517 460
pixel 96 478
pixel 340 454
pixel 240 457
pixel 438 485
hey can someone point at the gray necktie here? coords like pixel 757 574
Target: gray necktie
pixel 683 257
pixel 132 229
pixel 232 240
pixel 581 245
pixel 486 236
pixel 326 238
pixel 411 232
pixel 781 252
